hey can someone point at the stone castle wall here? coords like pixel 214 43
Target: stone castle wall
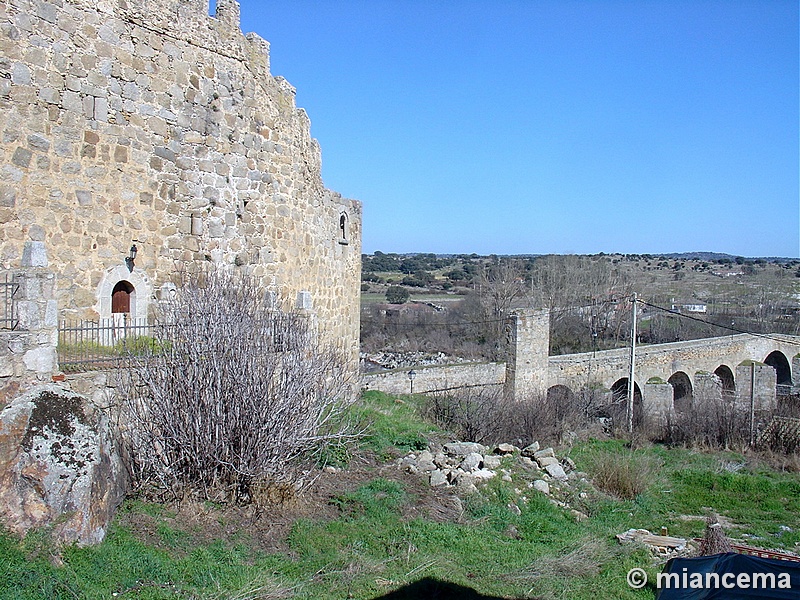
pixel 151 123
pixel 437 378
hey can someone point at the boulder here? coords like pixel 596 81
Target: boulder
pixel 464 448
pixel 506 449
pixel 438 478
pixel 530 450
pixel 540 485
pixel 556 471
pixel 547 452
pixel 425 462
pixel 545 461
pixel 528 463
pixel 472 462
pixel 491 462
pixel 59 467
pixel 483 475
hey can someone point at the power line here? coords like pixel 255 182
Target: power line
pixel 728 327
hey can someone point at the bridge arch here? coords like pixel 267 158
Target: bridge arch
pixel 727 379
pixel 561 398
pixel 682 392
pixel 618 408
pixel 778 361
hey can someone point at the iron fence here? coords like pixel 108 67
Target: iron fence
pixel 9 318
pixel 95 345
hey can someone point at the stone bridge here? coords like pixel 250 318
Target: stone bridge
pixel 751 368
pixel 668 377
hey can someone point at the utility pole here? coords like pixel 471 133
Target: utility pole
pixel 631 379
pixel 752 403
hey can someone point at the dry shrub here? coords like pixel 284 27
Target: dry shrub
pixel 714 540
pixel 623 475
pixel 586 560
pixel 234 394
pixel 715 422
pixel 487 416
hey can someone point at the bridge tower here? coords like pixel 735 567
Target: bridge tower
pixel 528 333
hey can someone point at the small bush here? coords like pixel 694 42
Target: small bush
pixel 623 475
pixel 487 416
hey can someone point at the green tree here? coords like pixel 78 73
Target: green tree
pixel 397 295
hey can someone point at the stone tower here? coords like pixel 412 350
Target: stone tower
pixel 528 353
pixel 151 123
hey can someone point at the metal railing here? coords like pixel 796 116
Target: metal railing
pixel 8 307
pixel 96 345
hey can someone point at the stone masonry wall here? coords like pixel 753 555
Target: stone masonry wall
pixel 437 378
pixel 149 122
pixel 28 352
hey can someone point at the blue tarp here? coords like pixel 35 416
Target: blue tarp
pixel 710 578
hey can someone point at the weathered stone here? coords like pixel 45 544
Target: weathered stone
pixel 547 452
pixel 556 471
pixel 578 515
pixel 34 254
pixel 531 449
pixel 425 461
pixel 438 478
pixel 491 462
pixel 22 157
pixel 540 485
pixel 58 467
pixel 506 449
pixel 472 462
pixel 483 475
pixel 464 448
pixel 546 460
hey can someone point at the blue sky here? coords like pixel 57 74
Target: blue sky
pixel 527 126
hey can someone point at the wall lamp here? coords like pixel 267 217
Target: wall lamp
pixel 131 257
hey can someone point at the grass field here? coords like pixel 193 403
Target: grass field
pixel 369 530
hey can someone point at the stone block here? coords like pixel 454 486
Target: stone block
pixel 84 197
pixel 38 142
pixel 22 157
pixel 8 196
pixel 34 254
pixel 42 360
pixel 304 301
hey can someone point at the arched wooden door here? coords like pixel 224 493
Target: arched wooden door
pixel 121 297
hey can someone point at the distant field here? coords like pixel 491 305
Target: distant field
pixel 377 298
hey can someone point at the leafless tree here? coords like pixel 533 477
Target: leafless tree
pixel 231 394
pixel 500 288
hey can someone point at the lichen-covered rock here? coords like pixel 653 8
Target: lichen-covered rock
pixel 58 467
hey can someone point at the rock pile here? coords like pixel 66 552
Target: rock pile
pixel 466 465
pixel 396 360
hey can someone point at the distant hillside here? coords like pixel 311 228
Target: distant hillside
pixel 715 256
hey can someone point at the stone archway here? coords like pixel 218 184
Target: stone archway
pixel 561 399
pixel 121 282
pixel 618 408
pixel 682 393
pixel 778 361
pixel 727 380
